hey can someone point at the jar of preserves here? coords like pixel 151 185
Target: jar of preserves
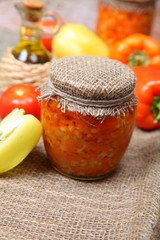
pixel 118 19
pixel 88 115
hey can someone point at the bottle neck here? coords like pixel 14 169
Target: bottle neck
pixel 30 31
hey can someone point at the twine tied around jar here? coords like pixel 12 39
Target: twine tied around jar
pixel 90 85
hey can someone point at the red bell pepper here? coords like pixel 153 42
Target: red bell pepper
pixel 137 50
pixel 148 93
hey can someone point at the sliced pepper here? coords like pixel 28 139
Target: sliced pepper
pixel 19 134
pixel 137 50
pixel 76 39
pixel 148 93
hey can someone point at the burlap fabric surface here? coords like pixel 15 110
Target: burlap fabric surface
pixel 38 203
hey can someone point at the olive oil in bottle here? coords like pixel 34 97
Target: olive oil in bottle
pixel 30 49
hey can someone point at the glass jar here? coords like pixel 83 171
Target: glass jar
pixel 118 19
pixel 83 138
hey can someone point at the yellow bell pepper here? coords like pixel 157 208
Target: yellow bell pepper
pixel 76 39
pixel 19 134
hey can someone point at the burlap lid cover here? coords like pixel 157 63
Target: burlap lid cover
pixel 91 85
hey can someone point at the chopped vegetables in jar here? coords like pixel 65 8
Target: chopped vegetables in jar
pixel 114 24
pixel 84 147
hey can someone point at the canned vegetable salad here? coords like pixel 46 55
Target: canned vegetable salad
pixel 88 115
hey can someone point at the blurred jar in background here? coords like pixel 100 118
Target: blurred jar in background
pixel 118 19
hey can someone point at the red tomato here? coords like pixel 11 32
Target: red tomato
pixel 47 43
pixel 20 96
pixel 47 28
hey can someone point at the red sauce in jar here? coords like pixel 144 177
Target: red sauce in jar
pixel 83 147
pixel 114 25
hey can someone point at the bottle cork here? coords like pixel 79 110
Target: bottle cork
pixel 33 4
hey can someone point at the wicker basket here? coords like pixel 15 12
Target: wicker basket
pixel 12 71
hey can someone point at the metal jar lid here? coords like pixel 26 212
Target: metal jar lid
pixel 91 85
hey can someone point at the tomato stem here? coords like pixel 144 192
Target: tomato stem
pixel 155 107
pixel 138 58
pixel 10 122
